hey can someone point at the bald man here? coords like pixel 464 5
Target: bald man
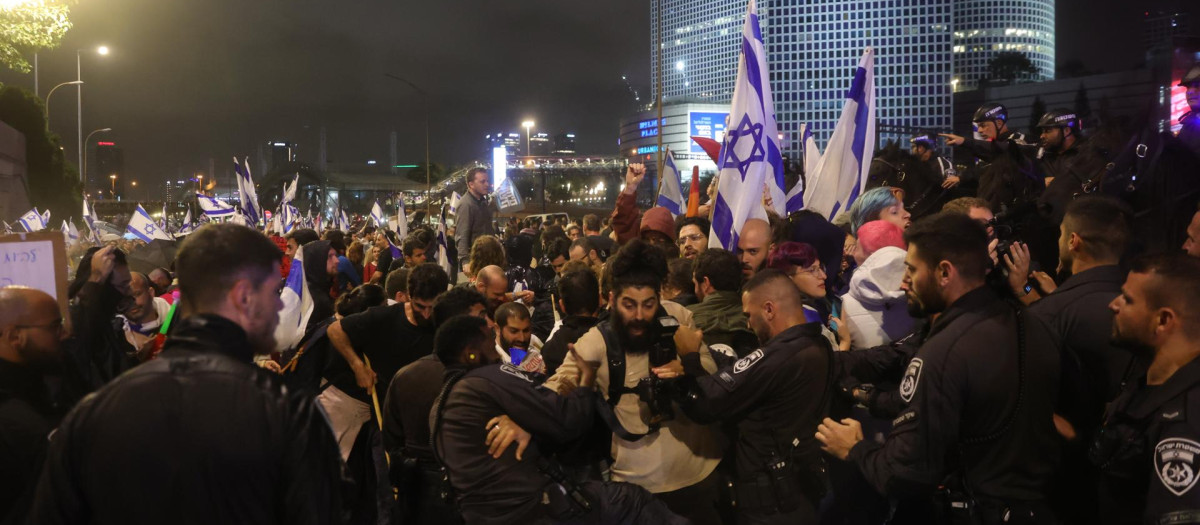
pixel 754 244
pixel 31 330
pixel 775 395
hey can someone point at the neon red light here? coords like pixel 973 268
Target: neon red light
pixel 106 143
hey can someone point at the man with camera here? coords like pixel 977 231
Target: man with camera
pixel 652 445
pixel 980 392
pixel 775 396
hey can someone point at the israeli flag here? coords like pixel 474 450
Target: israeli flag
pixel 377 214
pixel 143 227
pixel 401 219
pixel 750 153
pixel 670 192
pixel 45 218
pixel 246 193
pixel 297 307
pixel 214 207
pixel 290 214
pixel 443 258
pixel 32 221
pixel 344 222
pixel 455 198
pixel 72 231
pixel 810 156
pixel 841 174
pixel 396 252
pixel 90 220
pixel 68 237
pixel 289 190
pixel 7 227
pixel 187 226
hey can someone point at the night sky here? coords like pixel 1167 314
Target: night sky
pixel 187 81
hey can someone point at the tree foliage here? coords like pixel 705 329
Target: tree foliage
pixel 29 26
pixel 437 172
pixel 1011 65
pixel 53 182
pixel 1035 115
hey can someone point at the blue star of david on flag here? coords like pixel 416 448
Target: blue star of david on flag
pixel 738 144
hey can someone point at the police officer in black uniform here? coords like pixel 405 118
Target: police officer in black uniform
pixel 775 395
pixel 1067 160
pixel 471 440
pixel 980 391
pixel 1009 175
pixel 1148 449
pixel 945 177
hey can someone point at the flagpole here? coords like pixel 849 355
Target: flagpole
pixel 661 164
pixel 659 101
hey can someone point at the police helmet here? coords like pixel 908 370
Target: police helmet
pixel 990 112
pixel 1192 77
pixel 923 140
pixel 1059 118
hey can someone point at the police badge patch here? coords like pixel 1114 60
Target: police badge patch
pixel 908 385
pixel 747 362
pixel 1175 462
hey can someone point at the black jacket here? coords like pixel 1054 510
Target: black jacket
pixel 1071 169
pixel 199 435
pixel 97 351
pixel 504 490
pixel 1148 452
pixel 555 350
pixel 1010 175
pixel 968 410
pixel 777 394
pixel 882 366
pixel 27 416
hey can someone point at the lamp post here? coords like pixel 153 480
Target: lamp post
pixel 102 50
pixel 113 178
pixel 83 159
pixel 428 177
pixel 528 125
pixel 71 83
pixel 199 183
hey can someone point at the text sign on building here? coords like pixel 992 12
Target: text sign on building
pixel 707 125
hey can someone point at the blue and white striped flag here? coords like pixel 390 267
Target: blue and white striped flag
pixel 90 219
pixel 32 221
pixel 454 200
pixel 810 155
pixel 143 227
pixel 343 221
pixel 841 174
pixel 750 153
pixel 45 218
pixel 290 215
pixel 297 307
pixel 246 193
pixel 670 192
pixel 289 190
pixel 70 234
pixel 187 226
pixel 213 207
pixel 377 215
pixel 401 219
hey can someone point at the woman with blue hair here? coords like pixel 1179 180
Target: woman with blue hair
pixel 879 204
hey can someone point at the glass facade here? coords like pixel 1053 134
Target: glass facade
pixel 814 46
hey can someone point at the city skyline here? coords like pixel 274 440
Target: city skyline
pixel 192 86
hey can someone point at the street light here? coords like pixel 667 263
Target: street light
pixel 528 125
pixel 71 83
pixel 199 183
pixel 428 177
pixel 113 177
pixel 102 50
pixel 83 160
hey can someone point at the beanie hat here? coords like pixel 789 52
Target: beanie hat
pixel 658 219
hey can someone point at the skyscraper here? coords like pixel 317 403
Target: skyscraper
pixel 983 28
pixel 814 46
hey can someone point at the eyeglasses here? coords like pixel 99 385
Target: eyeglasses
pixel 695 237
pixel 816 270
pixel 55 326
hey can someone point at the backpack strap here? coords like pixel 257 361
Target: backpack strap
pixel 616 386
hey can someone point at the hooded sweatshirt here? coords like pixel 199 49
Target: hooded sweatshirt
pixel 320 283
pixel 874 307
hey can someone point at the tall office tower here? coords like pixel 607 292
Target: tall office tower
pixel 701 42
pixel 983 28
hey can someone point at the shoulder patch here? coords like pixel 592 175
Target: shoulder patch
pixel 1175 462
pixel 912 376
pixel 910 415
pixel 516 372
pixel 746 362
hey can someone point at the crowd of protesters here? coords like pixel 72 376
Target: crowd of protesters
pixel 1015 354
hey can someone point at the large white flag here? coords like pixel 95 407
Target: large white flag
pixel 750 153
pixel 297 307
pixel 289 190
pixel 143 227
pixel 377 215
pixel 90 219
pixel 670 193
pixel 187 226
pixel 401 219
pixel 841 174
pixel 246 193
pixel 810 157
pixel 214 207
pixel 32 221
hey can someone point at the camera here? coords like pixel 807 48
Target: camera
pixel 658 393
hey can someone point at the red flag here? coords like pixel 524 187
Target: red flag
pixel 694 193
pixel 710 146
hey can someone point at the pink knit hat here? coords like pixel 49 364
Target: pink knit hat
pixel 879 234
pixel 658 219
